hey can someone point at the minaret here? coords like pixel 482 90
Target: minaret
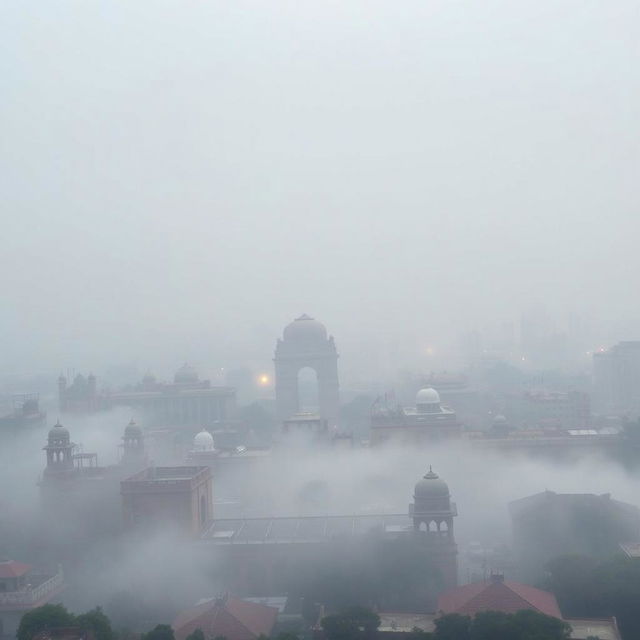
pixel 59 451
pixel 433 512
pixel 133 444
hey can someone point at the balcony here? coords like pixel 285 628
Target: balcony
pixel 40 589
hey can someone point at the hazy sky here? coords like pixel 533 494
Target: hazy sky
pixel 180 179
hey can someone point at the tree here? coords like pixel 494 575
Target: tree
pixel 532 625
pixel 160 632
pixel 493 625
pixel 48 616
pixel 452 626
pixel 497 625
pixel 197 634
pixel 354 622
pixel 96 621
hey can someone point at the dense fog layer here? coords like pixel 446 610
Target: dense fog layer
pixel 195 175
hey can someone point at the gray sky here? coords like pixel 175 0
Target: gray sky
pixel 180 179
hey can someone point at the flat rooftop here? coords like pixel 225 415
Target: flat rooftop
pixel 304 529
pixel 164 476
pixel 605 629
pixel 406 622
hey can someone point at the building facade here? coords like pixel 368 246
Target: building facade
pixel 158 498
pixel 616 380
pixel 414 426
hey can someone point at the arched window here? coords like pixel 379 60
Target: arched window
pixel 433 527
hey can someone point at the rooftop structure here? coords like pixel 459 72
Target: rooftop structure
pixel 187 401
pixel 227 617
pixel 549 524
pixel 168 496
pixel 498 594
pixel 616 380
pixel 427 420
pixel 22 588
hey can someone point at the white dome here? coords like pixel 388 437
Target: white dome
pixel 305 329
pixel 427 396
pixel 203 441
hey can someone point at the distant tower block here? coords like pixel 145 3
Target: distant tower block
pixel 305 344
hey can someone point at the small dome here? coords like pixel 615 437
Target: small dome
pixel 58 432
pixel 305 329
pixel 185 374
pixel 203 441
pixel 431 486
pixel 132 430
pixel 499 420
pixel 427 396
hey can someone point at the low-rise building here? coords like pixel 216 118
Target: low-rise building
pixel 23 588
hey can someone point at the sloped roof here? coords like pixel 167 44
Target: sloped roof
pixel 13 569
pixel 498 595
pixel 232 618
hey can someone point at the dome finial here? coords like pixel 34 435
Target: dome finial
pixel 431 474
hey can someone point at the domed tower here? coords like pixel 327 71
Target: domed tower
pixel 132 443
pixel 59 450
pixel 428 401
pixel 305 344
pixel 433 512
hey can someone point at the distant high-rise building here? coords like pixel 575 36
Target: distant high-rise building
pixel 616 380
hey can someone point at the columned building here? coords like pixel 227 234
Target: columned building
pixel 305 344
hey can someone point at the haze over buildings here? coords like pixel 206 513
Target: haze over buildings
pixel 292 290
pixel 194 176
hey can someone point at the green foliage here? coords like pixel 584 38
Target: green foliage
pixel 354 622
pixel 420 634
pixel 589 588
pixel 496 625
pixel 48 616
pixel 452 626
pixel 197 634
pixel 97 622
pixel 286 635
pixel 159 632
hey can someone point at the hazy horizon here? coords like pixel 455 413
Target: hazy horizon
pixel 181 180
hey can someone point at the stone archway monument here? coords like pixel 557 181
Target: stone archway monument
pixel 305 344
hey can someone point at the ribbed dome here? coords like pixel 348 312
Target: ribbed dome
pixel 427 396
pixel 203 441
pixel 305 329
pixel 58 432
pixel 132 430
pixel 431 486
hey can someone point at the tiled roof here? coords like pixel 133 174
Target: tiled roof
pixel 13 569
pixel 497 595
pixel 232 618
